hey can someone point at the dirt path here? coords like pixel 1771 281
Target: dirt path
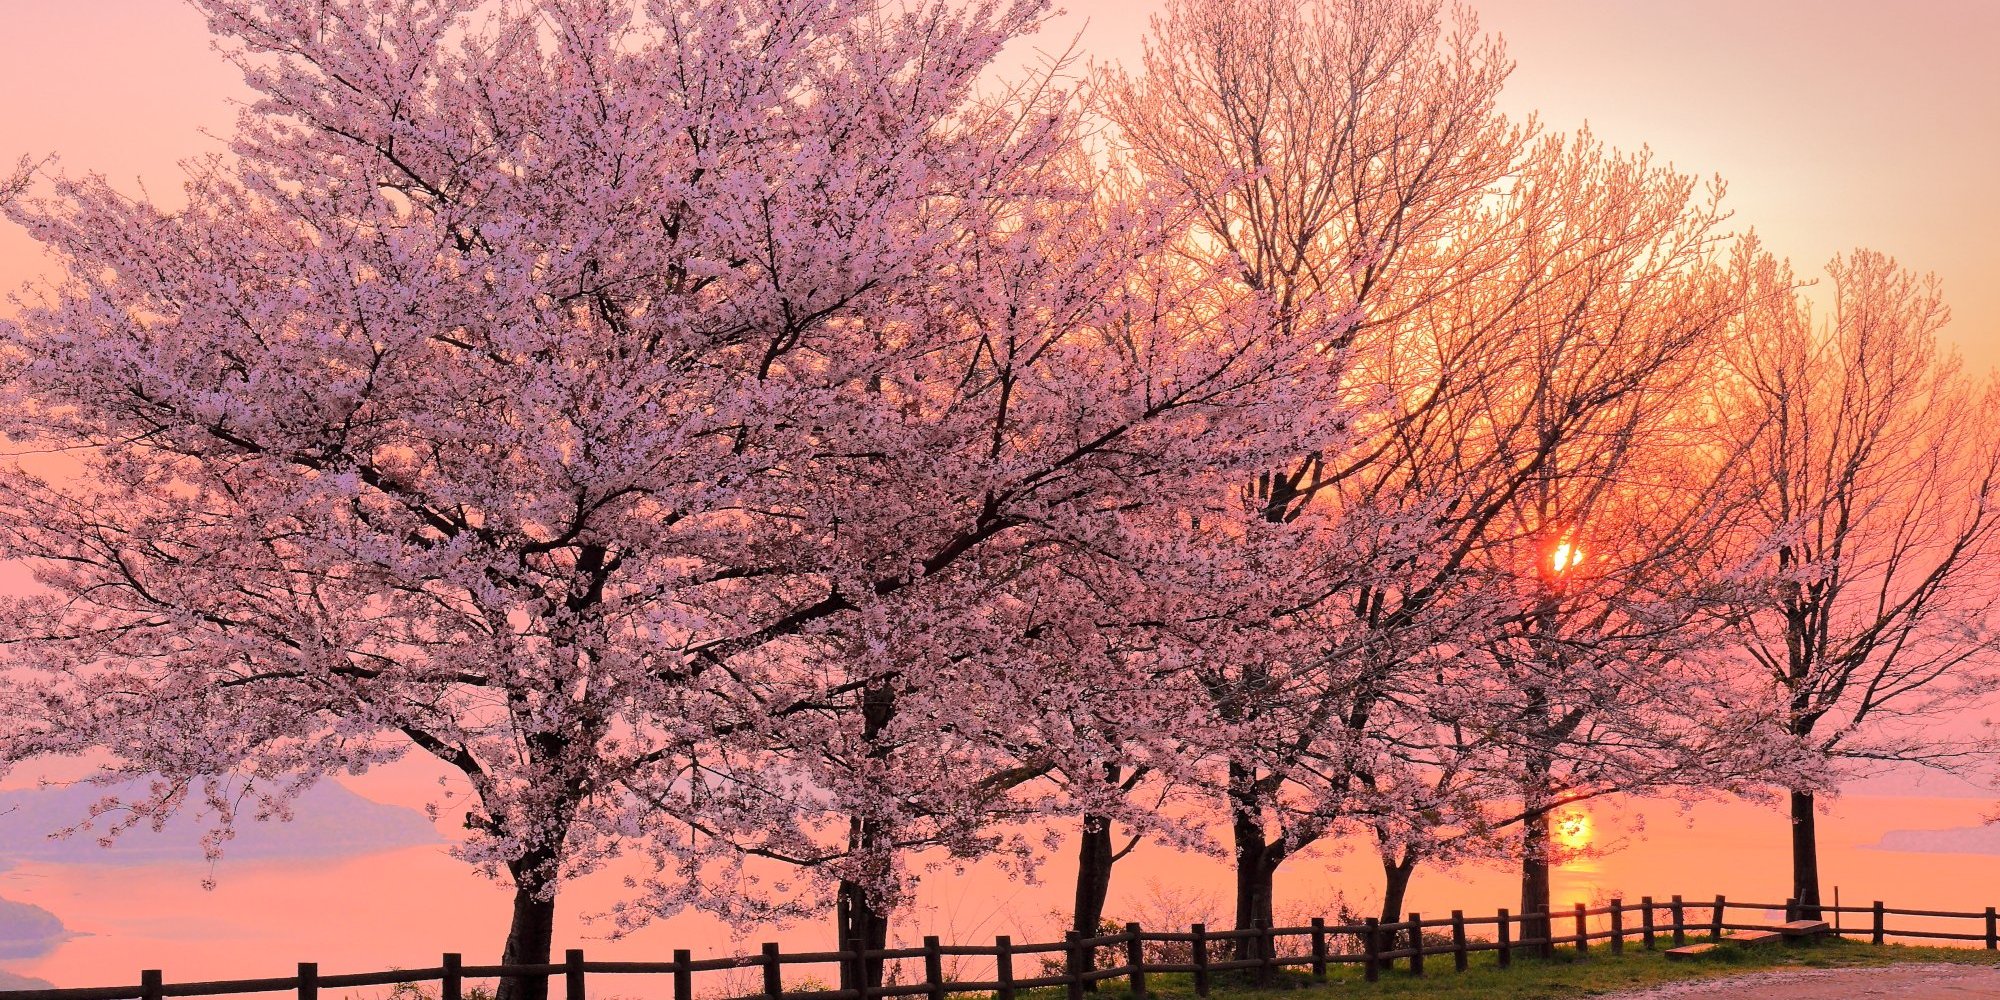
pixel 1904 982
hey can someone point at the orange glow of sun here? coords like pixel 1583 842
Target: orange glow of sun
pixel 1565 556
pixel 1572 829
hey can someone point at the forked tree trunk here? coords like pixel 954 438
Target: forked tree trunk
pixel 1805 857
pixel 1396 875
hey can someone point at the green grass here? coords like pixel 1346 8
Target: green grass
pixel 1564 975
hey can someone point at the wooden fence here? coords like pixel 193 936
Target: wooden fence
pixel 1077 964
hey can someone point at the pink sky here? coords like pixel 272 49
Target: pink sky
pixel 1837 122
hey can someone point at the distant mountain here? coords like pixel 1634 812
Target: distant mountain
pixel 27 931
pixel 329 821
pixel 15 981
pixel 1983 839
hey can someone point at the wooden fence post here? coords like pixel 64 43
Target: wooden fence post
pixel 774 974
pixel 1319 948
pixel 1003 967
pixel 1075 957
pixel 933 967
pixel 1371 949
pixel 1992 929
pixel 1135 956
pixel 1377 939
pixel 1200 948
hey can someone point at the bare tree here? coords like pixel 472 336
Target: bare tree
pixel 1558 478
pixel 1880 511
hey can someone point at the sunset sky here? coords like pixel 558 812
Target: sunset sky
pixel 1836 122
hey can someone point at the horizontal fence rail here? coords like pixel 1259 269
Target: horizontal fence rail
pixel 1077 963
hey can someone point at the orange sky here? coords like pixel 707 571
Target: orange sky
pixel 1837 122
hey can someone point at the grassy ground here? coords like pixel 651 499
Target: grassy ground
pixel 1565 975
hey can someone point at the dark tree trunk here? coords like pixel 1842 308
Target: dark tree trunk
pixel 1256 867
pixel 1094 858
pixel 1805 857
pixel 1535 877
pixel 1396 885
pixel 1536 833
pixel 1536 843
pixel 531 935
pixel 857 918
pixel 1804 611
pixel 1396 872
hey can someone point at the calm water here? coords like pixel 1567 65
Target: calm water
pixel 402 908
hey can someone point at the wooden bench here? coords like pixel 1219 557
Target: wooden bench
pixel 1687 951
pixel 1747 938
pixel 1741 939
pixel 1804 928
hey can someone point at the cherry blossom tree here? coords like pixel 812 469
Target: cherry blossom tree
pixel 745 434
pixel 1879 514
pixel 1524 309
pixel 1567 592
pixel 1338 155
pixel 931 715
pixel 1605 669
pixel 472 404
pixel 664 416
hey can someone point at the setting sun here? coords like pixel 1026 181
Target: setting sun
pixel 1565 556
